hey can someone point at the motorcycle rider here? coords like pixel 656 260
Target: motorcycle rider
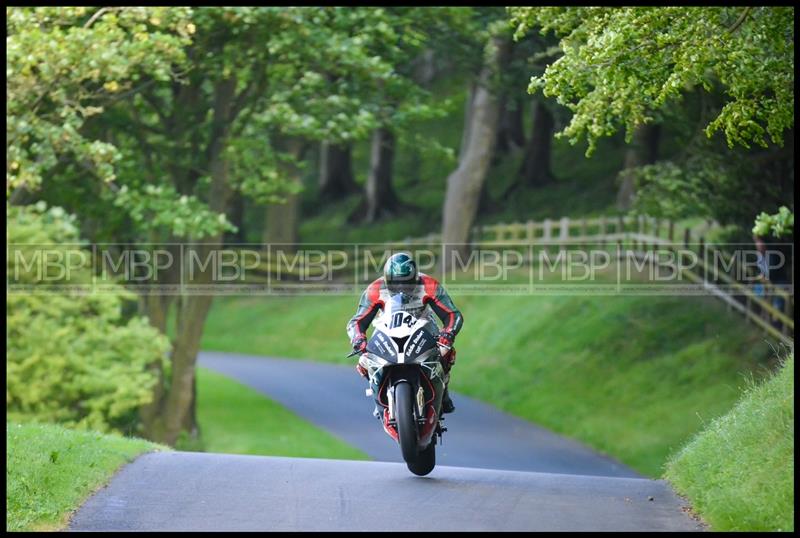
pixel 423 294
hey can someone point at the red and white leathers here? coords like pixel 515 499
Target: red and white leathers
pixel 423 299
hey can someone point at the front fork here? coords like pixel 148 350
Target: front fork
pixel 419 412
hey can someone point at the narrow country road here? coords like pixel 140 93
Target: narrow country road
pixel 332 397
pixel 185 491
pixel 494 472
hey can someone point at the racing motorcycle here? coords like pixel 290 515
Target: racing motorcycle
pixel 406 379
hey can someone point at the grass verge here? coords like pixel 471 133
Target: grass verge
pixel 236 419
pixel 51 471
pixel 739 472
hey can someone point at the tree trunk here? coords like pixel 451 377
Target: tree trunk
pixel 510 133
pixel 424 68
pixel 465 131
pixel 336 171
pixel 535 170
pixel 465 183
pixel 236 217
pixel 643 150
pixel 283 220
pixel 381 198
pixel 173 408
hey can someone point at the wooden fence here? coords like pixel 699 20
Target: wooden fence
pixel 646 234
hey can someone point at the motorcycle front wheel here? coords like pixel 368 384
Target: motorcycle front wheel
pixel 406 423
pixel 424 462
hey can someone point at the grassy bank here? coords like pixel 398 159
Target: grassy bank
pixel 51 470
pixel 236 419
pixel 739 472
pixel 634 377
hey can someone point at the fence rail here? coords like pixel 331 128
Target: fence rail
pixel 647 234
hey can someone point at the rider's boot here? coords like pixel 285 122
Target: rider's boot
pixel 447 403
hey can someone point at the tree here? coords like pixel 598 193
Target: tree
pixel 254 77
pixel 380 196
pixel 642 150
pixel 465 183
pixel 336 170
pixel 410 39
pixel 536 169
pixel 623 66
pixel 64 65
pixel 620 65
pixel 263 73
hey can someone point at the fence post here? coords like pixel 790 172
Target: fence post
pixel 602 231
pixel 563 233
pixel 702 252
pixel 787 309
pixel 687 237
pixel 671 231
pixel 529 231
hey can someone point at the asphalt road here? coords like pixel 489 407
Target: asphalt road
pixel 332 397
pixel 184 491
pixel 494 472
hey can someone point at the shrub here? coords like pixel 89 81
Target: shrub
pixel 72 357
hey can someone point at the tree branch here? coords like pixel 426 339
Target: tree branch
pixel 99 14
pixel 740 20
pixel 156 107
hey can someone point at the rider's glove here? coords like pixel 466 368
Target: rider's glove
pixel 361 370
pixel 446 338
pixel 359 344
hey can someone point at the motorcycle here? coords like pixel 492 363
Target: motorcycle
pixel 407 380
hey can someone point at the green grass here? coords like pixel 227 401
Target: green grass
pixel 739 472
pixel 51 470
pixel 236 419
pixel 634 377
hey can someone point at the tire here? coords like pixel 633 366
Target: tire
pixel 406 424
pixel 425 462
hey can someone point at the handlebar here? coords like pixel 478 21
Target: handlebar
pixel 441 346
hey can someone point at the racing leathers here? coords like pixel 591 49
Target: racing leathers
pixel 422 299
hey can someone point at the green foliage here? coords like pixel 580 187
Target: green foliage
pixel 64 65
pixel 620 66
pixel 675 190
pixel 236 419
pixel 71 356
pixel 780 224
pixel 52 470
pixel 739 471
pixel 707 181
pixel 154 208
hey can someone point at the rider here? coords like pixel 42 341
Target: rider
pixel 400 275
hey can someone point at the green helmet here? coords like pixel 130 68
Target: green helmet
pixel 400 270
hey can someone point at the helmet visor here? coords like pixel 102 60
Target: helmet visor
pixel 401 285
